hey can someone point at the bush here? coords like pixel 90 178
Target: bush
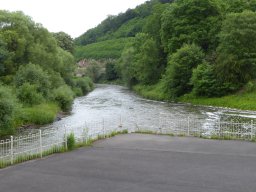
pixel 64 97
pixel 38 114
pixel 8 106
pixel 206 83
pixel 34 75
pixel 84 84
pixel 71 141
pixel 28 94
pixel 179 70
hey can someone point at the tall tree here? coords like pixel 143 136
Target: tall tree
pixel 236 62
pixel 179 70
pixel 190 21
pixel 65 41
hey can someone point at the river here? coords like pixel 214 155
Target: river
pixel 116 103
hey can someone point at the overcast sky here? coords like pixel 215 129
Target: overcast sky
pixel 71 16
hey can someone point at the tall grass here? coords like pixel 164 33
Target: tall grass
pixel 39 114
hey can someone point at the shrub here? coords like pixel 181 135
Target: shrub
pixel 29 95
pixel 8 105
pixel 64 97
pixel 179 70
pixel 84 84
pixel 34 75
pixel 39 114
pixel 206 83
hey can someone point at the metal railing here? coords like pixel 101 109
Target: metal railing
pixel 44 142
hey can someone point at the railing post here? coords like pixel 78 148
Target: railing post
pixel 188 126
pixel 219 132
pixel 252 130
pixel 11 149
pixel 121 121
pixel 103 128
pixel 66 138
pixel 40 143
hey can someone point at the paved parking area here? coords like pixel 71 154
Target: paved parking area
pixel 140 163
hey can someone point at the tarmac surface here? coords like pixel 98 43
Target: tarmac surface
pixel 140 163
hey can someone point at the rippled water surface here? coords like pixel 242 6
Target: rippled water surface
pixel 111 102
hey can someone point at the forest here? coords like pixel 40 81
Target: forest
pixel 196 51
pixel 37 73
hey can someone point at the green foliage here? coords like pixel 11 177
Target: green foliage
pixel 154 92
pixel 64 41
pixel 105 49
pixel 123 25
pixel 95 71
pixel 139 61
pixel 34 75
pixel 8 105
pixel 236 60
pixel 179 70
pixel 245 101
pixel 28 94
pixel 238 6
pixel 126 65
pixel 64 97
pixel 146 59
pixel 71 141
pixel 85 84
pixel 190 21
pixel 39 114
pixel 206 83
pixel 111 72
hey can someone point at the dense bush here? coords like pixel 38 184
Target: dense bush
pixel 28 94
pixel 83 83
pixel 8 106
pixel 179 70
pixel 39 114
pixel 64 97
pixel 34 75
pixel 206 83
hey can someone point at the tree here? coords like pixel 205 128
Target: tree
pixel 146 59
pixel 179 70
pixel 34 75
pixel 236 54
pixel 64 41
pixel 64 97
pixel 206 83
pixel 111 73
pixel 190 21
pixel 8 106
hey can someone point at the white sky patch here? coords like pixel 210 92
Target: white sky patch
pixel 71 16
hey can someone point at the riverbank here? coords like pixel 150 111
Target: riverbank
pixel 243 101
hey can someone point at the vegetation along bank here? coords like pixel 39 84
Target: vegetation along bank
pixel 37 73
pixel 202 52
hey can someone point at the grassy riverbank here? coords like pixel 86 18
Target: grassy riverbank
pixel 244 101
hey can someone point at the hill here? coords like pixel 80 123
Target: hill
pixel 180 50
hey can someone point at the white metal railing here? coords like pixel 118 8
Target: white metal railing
pixel 44 142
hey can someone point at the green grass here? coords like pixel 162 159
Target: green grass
pixel 38 115
pixel 244 101
pixel 102 50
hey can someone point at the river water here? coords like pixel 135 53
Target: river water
pixel 118 104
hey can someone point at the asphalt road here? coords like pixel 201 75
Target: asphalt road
pixel 140 163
